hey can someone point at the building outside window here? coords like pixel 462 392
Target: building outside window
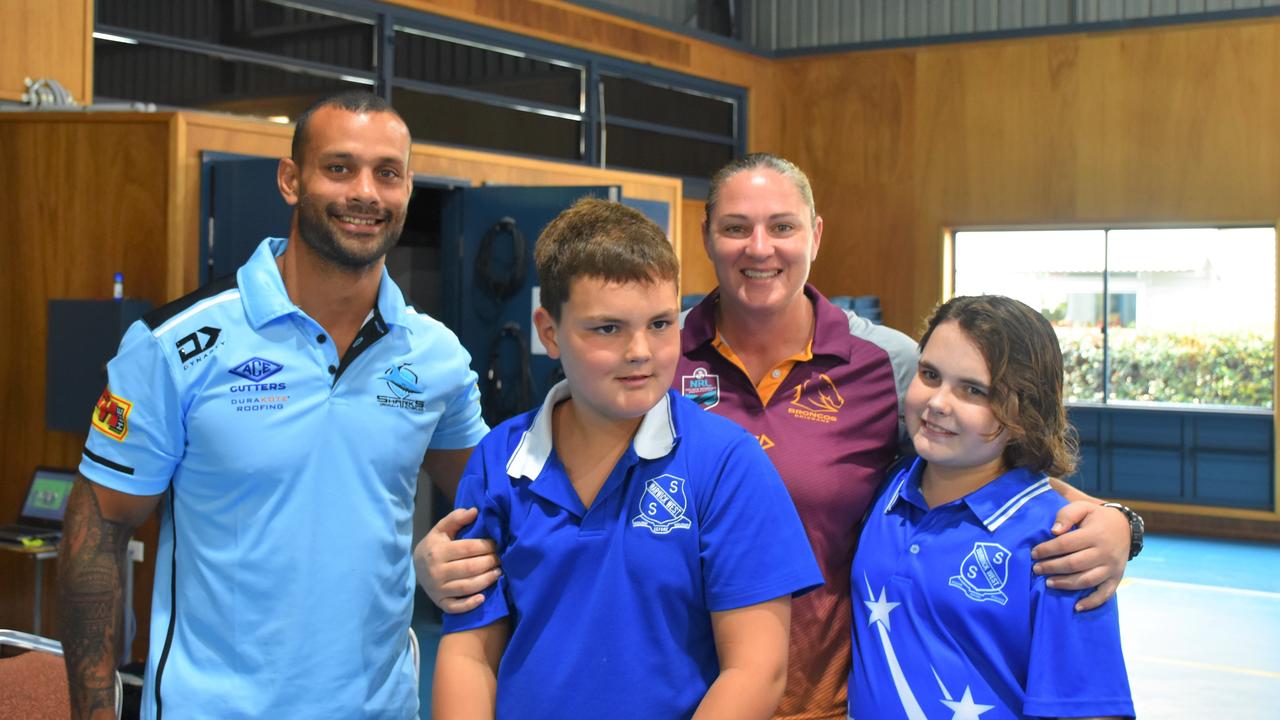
pixel 1145 316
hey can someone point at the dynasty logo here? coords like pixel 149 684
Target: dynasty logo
pixel 192 349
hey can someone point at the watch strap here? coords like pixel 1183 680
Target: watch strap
pixel 1137 528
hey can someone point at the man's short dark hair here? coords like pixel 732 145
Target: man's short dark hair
pixel 356 101
pixel 600 239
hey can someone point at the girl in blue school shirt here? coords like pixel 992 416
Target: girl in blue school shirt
pixel 948 619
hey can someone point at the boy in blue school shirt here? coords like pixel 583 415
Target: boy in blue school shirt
pixel 949 621
pixel 649 549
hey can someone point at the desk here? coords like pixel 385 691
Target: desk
pixel 39 555
pixel 48 552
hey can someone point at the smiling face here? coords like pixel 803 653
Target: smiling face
pixel 762 238
pixel 352 188
pixel 619 344
pixel 948 410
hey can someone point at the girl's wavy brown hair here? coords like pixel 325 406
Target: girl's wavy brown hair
pixel 1025 361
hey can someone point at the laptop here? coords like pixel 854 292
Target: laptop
pixel 43 507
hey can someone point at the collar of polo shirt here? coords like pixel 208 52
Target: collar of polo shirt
pixel 654 439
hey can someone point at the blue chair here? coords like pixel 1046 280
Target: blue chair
pixel 688 301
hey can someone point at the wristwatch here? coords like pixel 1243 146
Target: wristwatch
pixel 1136 528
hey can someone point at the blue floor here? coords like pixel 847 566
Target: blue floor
pixel 1200 621
pixel 1201 628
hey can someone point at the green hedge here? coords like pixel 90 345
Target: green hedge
pixel 1226 369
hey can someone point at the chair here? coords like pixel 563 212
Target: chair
pixel 33 678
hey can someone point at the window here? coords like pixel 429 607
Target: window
pixel 1180 316
pixel 653 127
pixel 270 27
pixel 253 57
pixel 466 93
pixel 452 82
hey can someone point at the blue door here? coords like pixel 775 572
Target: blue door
pixel 241 205
pixel 490 285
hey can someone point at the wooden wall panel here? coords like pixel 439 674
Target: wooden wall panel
pixel 87 198
pixel 849 123
pixel 697 274
pixel 47 39
pixel 1187 129
pixel 1160 125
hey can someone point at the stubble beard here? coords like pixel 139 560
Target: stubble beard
pixel 319 235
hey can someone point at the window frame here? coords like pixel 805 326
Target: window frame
pixel 386 20
pixel 949 291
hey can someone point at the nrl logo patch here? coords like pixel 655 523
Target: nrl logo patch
pixel 663 506
pixel 983 573
pixel 701 387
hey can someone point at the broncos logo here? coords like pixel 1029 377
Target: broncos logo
pixel 824 398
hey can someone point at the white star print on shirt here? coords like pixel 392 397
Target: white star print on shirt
pixel 880 610
pixel 966 708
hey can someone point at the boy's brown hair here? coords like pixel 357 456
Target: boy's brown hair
pixel 600 239
pixel 1025 361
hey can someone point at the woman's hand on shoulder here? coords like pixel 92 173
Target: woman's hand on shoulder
pixel 1091 550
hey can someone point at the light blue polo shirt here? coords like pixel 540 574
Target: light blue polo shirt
pixel 949 621
pixel 284 585
pixel 610 607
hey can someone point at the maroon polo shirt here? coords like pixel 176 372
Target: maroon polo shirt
pixel 831 429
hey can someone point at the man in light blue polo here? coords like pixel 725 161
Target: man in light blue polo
pixel 279 419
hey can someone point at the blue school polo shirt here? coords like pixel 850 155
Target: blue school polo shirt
pixel 950 622
pixel 284 584
pixel 610 607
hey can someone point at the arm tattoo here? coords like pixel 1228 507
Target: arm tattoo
pixel 90 600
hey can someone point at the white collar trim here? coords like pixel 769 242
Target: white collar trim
pixel 654 439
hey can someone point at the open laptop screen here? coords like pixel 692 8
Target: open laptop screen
pixel 47 499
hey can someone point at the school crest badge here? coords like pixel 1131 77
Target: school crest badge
pixel 701 387
pixel 983 573
pixel 663 505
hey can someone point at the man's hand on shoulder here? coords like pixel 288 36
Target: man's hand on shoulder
pixel 454 572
